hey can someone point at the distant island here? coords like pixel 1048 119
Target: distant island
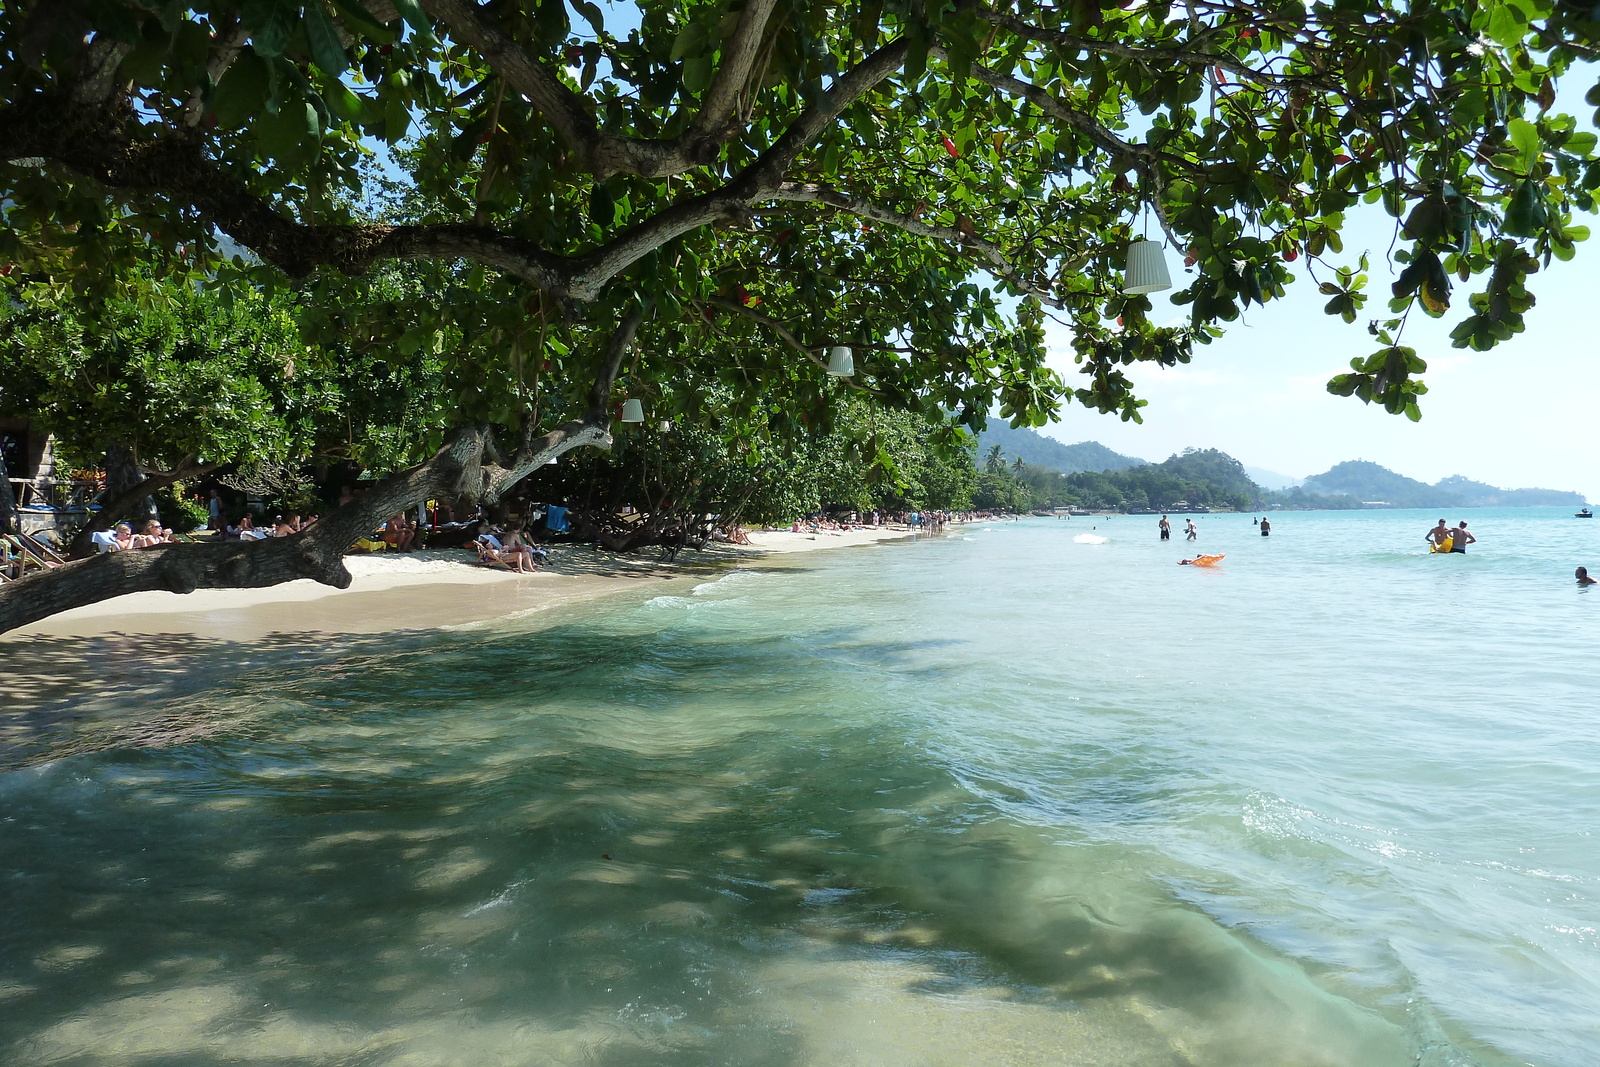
pixel 1025 470
pixel 1378 487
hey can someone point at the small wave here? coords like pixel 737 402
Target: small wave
pixel 729 579
pixel 1091 539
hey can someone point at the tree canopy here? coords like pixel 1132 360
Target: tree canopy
pixel 591 203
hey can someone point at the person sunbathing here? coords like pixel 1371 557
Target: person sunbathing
pixel 518 554
pixel 154 534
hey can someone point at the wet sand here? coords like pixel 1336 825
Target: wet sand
pixel 422 590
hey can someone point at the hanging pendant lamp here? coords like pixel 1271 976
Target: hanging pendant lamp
pixel 632 410
pixel 1147 268
pixel 841 364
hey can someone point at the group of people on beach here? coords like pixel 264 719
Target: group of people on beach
pixel 121 537
pixel 508 548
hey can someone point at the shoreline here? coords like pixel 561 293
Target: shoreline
pixel 427 590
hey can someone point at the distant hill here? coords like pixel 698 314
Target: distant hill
pixel 1479 495
pixel 1037 450
pixel 1370 483
pixel 1214 467
pixel 1272 479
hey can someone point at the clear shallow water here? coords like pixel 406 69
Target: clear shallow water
pixel 999 797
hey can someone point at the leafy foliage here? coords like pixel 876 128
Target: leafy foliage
pixel 923 181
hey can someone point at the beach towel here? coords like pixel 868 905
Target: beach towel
pixel 555 519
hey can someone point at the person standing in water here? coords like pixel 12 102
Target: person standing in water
pixel 1584 579
pixel 1438 535
pixel 1191 532
pixel 1460 538
pixel 1166 529
pixel 1266 527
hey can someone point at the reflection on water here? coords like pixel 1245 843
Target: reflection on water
pixel 794 817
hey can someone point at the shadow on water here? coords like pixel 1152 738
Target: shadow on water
pixel 589 847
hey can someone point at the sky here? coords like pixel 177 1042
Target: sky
pixel 1523 414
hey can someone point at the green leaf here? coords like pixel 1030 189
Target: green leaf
pixel 697 74
pixel 271 24
pixel 326 51
pixel 602 206
pixel 242 91
pixel 690 41
pixel 1525 138
pixel 916 51
pixel 411 11
pixel 1525 216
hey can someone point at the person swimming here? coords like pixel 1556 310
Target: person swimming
pixel 1584 579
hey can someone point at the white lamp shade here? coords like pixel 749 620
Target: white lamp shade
pixel 632 410
pixel 1147 269
pixel 666 425
pixel 841 364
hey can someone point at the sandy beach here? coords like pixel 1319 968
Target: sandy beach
pixel 422 590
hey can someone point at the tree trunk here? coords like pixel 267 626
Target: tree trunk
pixel 123 474
pixel 457 469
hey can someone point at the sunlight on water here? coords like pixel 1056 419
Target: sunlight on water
pixel 1000 798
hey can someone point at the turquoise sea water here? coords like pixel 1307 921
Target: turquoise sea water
pixel 997 797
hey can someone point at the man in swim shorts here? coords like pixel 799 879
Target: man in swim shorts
pixel 1460 538
pixel 1266 527
pixel 1166 529
pixel 1439 534
pixel 1190 530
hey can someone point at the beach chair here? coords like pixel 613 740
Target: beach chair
pixel 41 549
pixel 26 556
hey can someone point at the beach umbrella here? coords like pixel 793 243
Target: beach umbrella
pixel 1147 268
pixel 840 363
pixel 632 410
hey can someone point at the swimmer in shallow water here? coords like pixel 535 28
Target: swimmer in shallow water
pixel 1584 579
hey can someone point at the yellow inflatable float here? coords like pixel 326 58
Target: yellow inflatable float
pixel 1442 546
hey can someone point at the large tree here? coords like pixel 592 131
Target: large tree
pixel 742 186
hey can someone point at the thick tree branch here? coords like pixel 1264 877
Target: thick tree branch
pixel 97 79
pixel 739 55
pixel 96 142
pixel 566 111
pixel 570 115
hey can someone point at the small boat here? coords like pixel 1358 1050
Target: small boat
pixel 1584 514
